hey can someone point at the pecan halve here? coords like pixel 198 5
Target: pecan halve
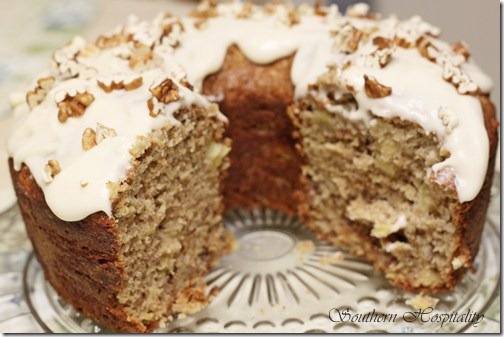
pixel 374 89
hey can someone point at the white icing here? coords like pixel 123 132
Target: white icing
pixel 41 137
pixel 419 93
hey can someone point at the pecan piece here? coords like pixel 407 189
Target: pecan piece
pixel 374 89
pixel 37 95
pixel 170 27
pixel 103 132
pixel 51 169
pixel 166 92
pixel 427 49
pixel 293 17
pixel 461 48
pixel 88 139
pixel 143 61
pixel 319 8
pixel 74 106
pixel 119 85
pixel 105 42
pixel 383 43
pixel 352 41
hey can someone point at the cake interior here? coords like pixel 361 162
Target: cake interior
pixel 365 189
pixel 265 166
pixel 370 193
pixel 171 237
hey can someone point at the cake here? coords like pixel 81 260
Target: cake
pixel 377 134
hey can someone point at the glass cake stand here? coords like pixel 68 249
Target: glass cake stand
pixel 281 278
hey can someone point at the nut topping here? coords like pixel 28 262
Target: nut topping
pixel 119 85
pixel 319 8
pixel 103 132
pixel 352 41
pixel 383 43
pixel 166 92
pixel 74 106
pixel 186 84
pixel 144 61
pixel 460 80
pixel 51 169
pixel 207 9
pixel 293 17
pixel 461 48
pixel 37 95
pixel 105 42
pixel 88 139
pixel 153 111
pixel 427 49
pixel 374 89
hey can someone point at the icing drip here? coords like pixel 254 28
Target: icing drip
pixel 107 86
pixel 80 189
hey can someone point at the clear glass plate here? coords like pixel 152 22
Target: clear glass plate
pixel 281 278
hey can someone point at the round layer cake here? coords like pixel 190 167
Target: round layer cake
pixel 126 153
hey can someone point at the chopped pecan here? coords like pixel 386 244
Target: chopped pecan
pixel 427 49
pixel 269 8
pixel 119 85
pixel 465 86
pixel 352 41
pixel 153 112
pixel 103 132
pixel 186 84
pixel 383 43
pixel 37 95
pixel 293 17
pixel 88 139
pixel 170 27
pixel 51 169
pixel 144 61
pixel 74 106
pixel 111 41
pixel 461 48
pixel 403 43
pixel 319 8
pixel 166 92
pixel 135 84
pixel 383 56
pixel 198 23
pixel 342 99
pixel 207 9
pixel 374 89
pixel 450 70
pixel 89 50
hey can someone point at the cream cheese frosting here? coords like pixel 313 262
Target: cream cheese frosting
pixel 112 81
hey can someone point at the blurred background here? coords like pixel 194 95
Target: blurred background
pixel 31 29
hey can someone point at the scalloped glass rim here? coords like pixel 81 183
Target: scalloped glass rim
pixel 288 288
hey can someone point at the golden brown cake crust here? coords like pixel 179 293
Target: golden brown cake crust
pixel 79 258
pixel 470 217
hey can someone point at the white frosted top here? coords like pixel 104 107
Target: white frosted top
pixel 435 90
